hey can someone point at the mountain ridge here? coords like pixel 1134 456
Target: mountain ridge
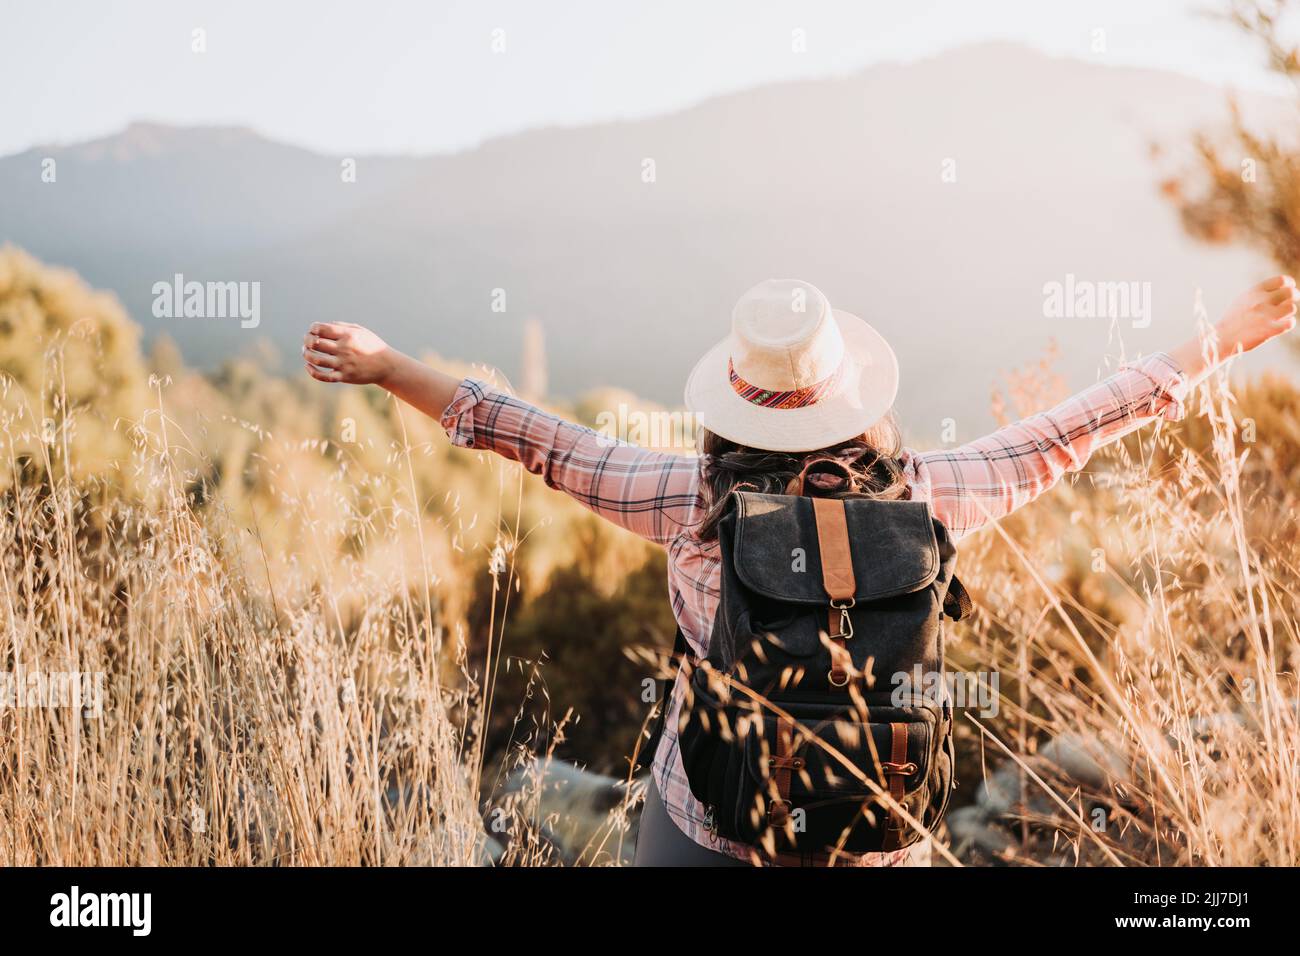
pixel 839 181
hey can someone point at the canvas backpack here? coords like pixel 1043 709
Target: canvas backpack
pixel 830 608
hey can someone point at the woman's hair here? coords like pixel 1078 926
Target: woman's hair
pixel 873 462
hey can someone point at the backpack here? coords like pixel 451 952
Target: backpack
pixel 806 708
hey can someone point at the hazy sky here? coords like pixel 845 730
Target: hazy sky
pixel 390 76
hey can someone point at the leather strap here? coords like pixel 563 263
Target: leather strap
pixel 957 603
pixel 895 772
pixel 838 580
pixel 780 765
pixel 841 659
pixel 837 556
pixel 833 468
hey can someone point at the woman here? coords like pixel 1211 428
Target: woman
pixel 794 380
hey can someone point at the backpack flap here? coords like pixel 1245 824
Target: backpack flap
pixel 777 556
pixel 894 547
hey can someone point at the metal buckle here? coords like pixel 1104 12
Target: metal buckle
pixel 778 812
pixel 845 634
pixel 889 769
pixel 846 625
pixel 846 622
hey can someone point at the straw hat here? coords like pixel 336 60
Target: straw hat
pixel 794 374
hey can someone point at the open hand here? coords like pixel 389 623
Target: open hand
pixel 1260 313
pixel 346 352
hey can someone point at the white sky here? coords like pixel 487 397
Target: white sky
pixel 403 76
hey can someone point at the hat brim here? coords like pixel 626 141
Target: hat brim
pixel 865 394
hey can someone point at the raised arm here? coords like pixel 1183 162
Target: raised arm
pixel 993 476
pixel 649 493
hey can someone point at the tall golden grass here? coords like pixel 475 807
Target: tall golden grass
pixel 1145 617
pixel 306 613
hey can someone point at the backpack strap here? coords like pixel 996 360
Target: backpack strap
pixel 781 764
pixel 838 580
pixel 957 603
pixel 682 652
pixel 895 771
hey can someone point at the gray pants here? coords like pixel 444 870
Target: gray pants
pixel 659 842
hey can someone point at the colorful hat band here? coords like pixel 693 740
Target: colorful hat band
pixel 794 398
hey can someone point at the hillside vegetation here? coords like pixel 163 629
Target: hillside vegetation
pixel 327 638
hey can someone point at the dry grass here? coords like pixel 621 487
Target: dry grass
pixel 1147 618
pixel 238 728
pixel 291 678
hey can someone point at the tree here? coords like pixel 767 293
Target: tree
pixel 1246 187
pixel 70 368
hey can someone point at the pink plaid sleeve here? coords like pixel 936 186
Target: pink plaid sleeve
pixel 993 476
pixel 649 493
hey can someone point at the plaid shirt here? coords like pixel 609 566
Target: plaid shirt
pixel 657 496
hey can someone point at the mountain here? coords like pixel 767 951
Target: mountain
pixel 838 181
